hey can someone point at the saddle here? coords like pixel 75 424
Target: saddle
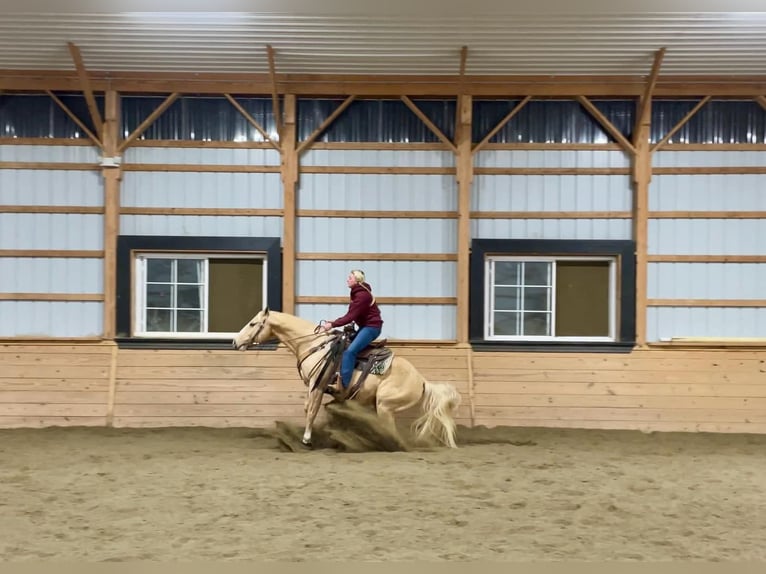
pixel 374 359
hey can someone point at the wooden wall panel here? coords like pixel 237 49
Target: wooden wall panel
pixel 651 390
pixel 54 384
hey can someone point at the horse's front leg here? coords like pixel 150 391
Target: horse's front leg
pixel 313 402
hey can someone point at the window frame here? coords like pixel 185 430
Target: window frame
pixel 127 297
pixel 489 309
pixel 139 291
pixel 623 293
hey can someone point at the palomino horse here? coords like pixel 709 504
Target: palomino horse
pixel 398 389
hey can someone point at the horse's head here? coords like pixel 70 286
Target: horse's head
pixel 255 331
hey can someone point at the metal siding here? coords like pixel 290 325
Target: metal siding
pixel 201 225
pixel 378 158
pixel 51 319
pixel 376 235
pixel 48 153
pixel 553 158
pixel 51 187
pixel 668 322
pixel 387 278
pixel 707 281
pixel 377 192
pixel 202 190
pixel 667 158
pixel 202 156
pixel 51 231
pixel 732 192
pixel 551 229
pixel 51 275
pixel 707 237
pixel 423 322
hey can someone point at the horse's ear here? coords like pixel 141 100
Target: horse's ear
pixel 266 311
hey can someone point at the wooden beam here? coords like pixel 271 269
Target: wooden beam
pixel 551 215
pixel 761 100
pixel 508 117
pixel 680 124
pixel 461 80
pixel 707 258
pixel 274 91
pixel 94 138
pixel 464 163
pixel 112 178
pixel 377 214
pixel 330 300
pixel 148 121
pixel 51 297
pixel 429 124
pixel 86 87
pixel 252 121
pixel 67 209
pixel 290 172
pixel 606 124
pixel 646 99
pixel 329 256
pixel 330 119
pixel 55 253
pixel 209 211
pixel 391 85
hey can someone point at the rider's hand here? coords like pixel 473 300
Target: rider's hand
pixel 327 325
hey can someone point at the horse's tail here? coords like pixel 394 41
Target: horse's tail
pixel 440 400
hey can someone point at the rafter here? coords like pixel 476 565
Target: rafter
pixel 330 119
pixel 680 124
pixel 646 99
pixel 509 116
pixel 86 87
pixel 252 121
pixel 429 124
pixel 274 92
pixel 148 121
pixel 75 119
pixel 606 124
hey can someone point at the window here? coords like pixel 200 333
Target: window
pixel 550 298
pixel 193 295
pixel 193 289
pixel 554 292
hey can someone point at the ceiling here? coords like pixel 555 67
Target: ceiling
pixel 506 37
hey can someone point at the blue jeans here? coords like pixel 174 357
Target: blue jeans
pixel 364 337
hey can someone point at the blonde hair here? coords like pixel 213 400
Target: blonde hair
pixel 358 275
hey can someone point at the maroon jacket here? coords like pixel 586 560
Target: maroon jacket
pixel 361 310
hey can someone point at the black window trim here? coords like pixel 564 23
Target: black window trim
pixel 623 250
pixel 128 245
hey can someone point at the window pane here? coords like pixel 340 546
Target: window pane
pixel 189 296
pixel 159 270
pixel 506 324
pixel 189 321
pixel 159 295
pixel 507 298
pixel 536 324
pixel 159 320
pixel 235 293
pixel 507 272
pixel 189 270
pixel 537 273
pixel 582 299
pixel 536 299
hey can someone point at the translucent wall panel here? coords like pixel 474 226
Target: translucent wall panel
pixel 51 319
pixel 666 322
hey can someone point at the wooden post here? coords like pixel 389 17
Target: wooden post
pixel 289 168
pixel 112 177
pixel 464 159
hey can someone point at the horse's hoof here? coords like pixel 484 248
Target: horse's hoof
pixel 306 442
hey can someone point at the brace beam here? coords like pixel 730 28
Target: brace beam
pixel 508 117
pixel 680 124
pixel 330 119
pixel 86 87
pixel 607 125
pixel 646 99
pixel 148 121
pixel 274 92
pixel 429 124
pixel 75 119
pixel 252 121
